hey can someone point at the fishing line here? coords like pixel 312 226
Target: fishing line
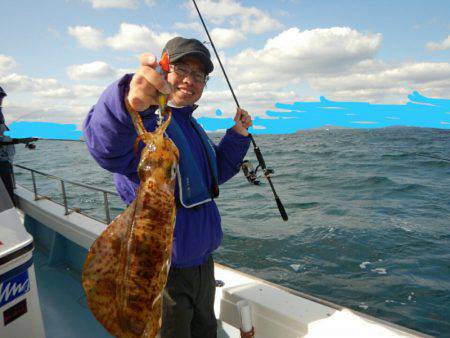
pixel 256 149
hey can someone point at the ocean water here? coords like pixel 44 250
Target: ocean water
pixel 369 216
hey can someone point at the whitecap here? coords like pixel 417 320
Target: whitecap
pixel 380 271
pixel 363 265
pixel 295 267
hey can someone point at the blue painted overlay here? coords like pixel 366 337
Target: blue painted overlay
pixel 420 111
pixel 44 130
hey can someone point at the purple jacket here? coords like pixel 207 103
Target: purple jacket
pixel 110 137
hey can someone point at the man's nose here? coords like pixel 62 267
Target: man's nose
pixel 189 78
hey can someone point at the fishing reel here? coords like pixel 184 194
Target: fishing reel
pixel 28 141
pixel 252 174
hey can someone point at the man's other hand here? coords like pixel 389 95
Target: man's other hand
pixel 243 121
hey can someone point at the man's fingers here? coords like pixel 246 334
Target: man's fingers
pixel 148 59
pixel 154 79
pixel 147 70
pixel 238 115
pixel 146 83
pixel 141 99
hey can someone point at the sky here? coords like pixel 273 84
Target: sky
pixel 56 57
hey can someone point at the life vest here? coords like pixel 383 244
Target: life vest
pixel 192 185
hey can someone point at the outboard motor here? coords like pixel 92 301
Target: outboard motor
pixel 20 312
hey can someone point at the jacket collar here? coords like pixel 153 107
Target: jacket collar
pixel 183 112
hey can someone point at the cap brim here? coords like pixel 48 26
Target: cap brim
pixel 204 59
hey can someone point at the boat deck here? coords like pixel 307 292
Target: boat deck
pixel 63 303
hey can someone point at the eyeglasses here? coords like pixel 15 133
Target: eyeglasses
pixel 183 70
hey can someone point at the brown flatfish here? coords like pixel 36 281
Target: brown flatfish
pixel 126 269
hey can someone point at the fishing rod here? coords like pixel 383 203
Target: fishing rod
pixel 256 149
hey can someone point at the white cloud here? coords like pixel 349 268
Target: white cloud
pixel 443 45
pixel 247 19
pixel 57 93
pixel 256 102
pixel 391 83
pixel 259 87
pixel 54 32
pixel 138 38
pixel 269 75
pixel 294 53
pixel 337 62
pixel 49 109
pixel 6 63
pixel 412 73
pixel 87 36
pixel 224 38
pixel 93 70
pixel 150 3
pixel 195 26
pixel 76 92
pixel 19 82
pixel 88 91
pixel 98 4
pixel 122 71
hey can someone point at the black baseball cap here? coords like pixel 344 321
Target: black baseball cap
pixel 180 47
pixel 2 92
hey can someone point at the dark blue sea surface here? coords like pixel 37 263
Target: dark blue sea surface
pixel 369 216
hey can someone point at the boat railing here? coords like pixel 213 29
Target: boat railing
pixel 63 183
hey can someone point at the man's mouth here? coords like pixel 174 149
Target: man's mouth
pixel 186 91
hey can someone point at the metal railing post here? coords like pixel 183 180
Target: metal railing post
pixel 108 216
pixel 63 188
pixel 13 177
pixel 64 195
pixel 34 185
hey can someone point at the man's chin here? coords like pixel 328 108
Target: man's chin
pixel 181 102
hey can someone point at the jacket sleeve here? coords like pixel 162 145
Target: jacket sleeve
pixel 109 132
pixel 230 154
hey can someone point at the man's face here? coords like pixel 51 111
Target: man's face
pixel 186 89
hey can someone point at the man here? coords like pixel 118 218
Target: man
pixel 188 304
pixel 6 152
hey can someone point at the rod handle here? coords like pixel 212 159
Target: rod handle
pixel 280 205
